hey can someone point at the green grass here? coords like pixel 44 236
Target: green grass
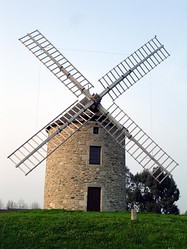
pixel 48 229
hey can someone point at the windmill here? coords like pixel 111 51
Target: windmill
pixel 84 168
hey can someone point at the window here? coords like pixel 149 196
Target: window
pixel 95 130
pixel 95 154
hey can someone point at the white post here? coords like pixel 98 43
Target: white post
pixel 133 214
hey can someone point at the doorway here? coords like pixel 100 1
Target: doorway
pixel 94 199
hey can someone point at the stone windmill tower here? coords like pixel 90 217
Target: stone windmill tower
pixel 85 145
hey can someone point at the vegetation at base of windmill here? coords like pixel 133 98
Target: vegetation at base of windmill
pixel 145 194
pixel 73 229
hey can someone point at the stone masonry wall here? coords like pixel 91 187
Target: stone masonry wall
pixel 69 174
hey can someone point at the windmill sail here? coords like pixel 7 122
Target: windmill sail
pixel 56 62
pixel 34 151
pixel 133 68
pixel 136 142
pixel 115 121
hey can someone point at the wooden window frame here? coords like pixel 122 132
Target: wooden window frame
pixel 95 155
pixel 95 130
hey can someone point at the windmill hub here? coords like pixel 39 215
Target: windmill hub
pixel 97 99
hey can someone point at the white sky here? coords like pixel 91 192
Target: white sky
pixel 94 36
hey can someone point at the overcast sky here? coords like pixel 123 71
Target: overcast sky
pixel 94 36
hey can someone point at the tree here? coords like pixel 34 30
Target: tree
pixel 132 192
pixel 11 205
pixel 35 205
pixel 151 196
pixel 1 204
pixel 21 204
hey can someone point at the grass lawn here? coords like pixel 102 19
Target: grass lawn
pixel 48 229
